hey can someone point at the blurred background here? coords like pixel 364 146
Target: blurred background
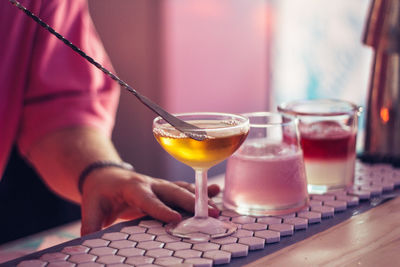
pixel 227 56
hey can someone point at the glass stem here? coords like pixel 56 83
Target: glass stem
pixel 201 205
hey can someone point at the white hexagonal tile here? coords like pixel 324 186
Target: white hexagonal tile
pixel 325 211
pixel 199 262
pixel 289 215
pixel 205 246
pixel 283 228
pixel 313 203
pixel 338 205
pixel 167 238
pixel 95 243
pixel 337 193
pixel 350 200
pixel 115 236
pixel 178 246
pixel 55 256
pixel 242 233
pixel 168 261
pixel 141 237
pixel 188 253
pixel 218 256
pixel 372 189
pixel 254 243
pixel 131 252
pixel 81 258
pixel 269 236
pixel 254 226
pixel 61 264
pixel 243 219
pixel 102 251
pixel 120 265
pixel 311 216
pixel 133 229
pixel 139 260
pixel 72 250
pixel 269 220
pixel 150 245
pixel 157 231
pixel 388 185
pixel 110 259
pixel 158 253
pixel 298 222
pixel 361 194
pixel 322 197
pixel 90 264
pixel 236 250
pixel 225 240
pixel 122 244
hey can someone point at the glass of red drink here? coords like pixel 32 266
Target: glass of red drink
pixel 328 131
pixel 266 175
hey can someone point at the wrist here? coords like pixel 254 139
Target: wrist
pixel 100 165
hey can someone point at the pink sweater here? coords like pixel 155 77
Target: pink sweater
pixel 44 85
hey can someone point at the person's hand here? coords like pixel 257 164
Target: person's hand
pixel 112 193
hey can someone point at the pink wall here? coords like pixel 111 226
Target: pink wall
pixel 192 55
pixel 215 55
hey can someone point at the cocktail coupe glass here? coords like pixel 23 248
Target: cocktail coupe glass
pixel 224 134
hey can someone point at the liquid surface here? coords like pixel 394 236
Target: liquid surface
pixel 220 143
pixel 265 179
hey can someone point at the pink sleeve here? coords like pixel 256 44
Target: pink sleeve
pixel 63 89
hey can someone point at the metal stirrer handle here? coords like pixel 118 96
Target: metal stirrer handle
pixel 190 130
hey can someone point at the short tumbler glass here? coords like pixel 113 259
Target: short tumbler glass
pixel 328 130
pixel 266 175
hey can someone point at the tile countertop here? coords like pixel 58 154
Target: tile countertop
pixel 54 236
pixel 369 239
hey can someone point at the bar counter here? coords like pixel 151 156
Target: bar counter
pixel 366 238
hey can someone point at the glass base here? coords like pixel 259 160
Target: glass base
pixel 266 210
pixel 322 189
pixel 201 229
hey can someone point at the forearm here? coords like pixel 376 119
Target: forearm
pixel 61 156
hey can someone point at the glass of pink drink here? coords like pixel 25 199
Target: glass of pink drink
pixel 266 175
pixel 328 130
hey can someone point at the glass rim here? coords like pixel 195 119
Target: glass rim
pixel 293 119
pixel 229 116
pixel 289 107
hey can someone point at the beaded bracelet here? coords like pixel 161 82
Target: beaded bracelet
pixel 98 165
